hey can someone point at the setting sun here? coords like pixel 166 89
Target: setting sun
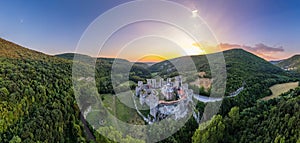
pixel 151 58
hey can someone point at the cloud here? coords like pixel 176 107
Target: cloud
pixel 260 49
pixel 226 46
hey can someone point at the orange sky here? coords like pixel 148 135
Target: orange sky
pixel 151 58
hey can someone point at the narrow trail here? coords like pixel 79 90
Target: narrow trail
pixel 88 132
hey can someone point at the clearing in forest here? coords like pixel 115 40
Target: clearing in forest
pixel 278 89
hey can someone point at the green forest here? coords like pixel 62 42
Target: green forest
pixel 276 120
pixel 37 101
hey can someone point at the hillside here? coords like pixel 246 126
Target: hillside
pixel 241 67
pixel 290 64
pixel 14 51
pixel 70 56
pixel 137 72
pixel 37 101
pixel 257 74
pixel 276 120
pixel 244 66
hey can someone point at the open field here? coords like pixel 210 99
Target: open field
pixel 202 82
pixel 278 89
pixel 117 109
pixel 120 110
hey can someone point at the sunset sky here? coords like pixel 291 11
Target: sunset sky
pixel 268 28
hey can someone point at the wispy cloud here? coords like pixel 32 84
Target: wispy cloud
pixel 262 48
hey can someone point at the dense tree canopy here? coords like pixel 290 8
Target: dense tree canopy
pixel 37 102
pixel 276 120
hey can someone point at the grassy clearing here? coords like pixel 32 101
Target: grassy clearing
pixel 120 110
pixel 202 82
pixel 278 89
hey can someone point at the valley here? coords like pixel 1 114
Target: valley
pixel 38 103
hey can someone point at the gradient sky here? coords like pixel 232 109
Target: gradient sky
pixel 55 26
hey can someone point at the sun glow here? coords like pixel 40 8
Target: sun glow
pixel 167 40
pixel 151 58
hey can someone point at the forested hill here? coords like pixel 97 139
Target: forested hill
pixel 258 75
pixel 276 120
pixel 292 63
pixel 37 102
pixel 244 66
pixel 240 65
pixel 234 59
pixel 13 51
pixel 70 56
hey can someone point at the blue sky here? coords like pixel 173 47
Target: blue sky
pixel 55 26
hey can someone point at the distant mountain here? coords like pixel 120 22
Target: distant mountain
pixel 275 62
pixel 290 64
pixel 144 65
pixel 138 71
pixel 150 63
pixel 82 57
pixel 70 56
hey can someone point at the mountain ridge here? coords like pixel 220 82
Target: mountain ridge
pixel 290 64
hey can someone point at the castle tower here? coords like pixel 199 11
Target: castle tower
pixel 160 83
pixel 153 83
pixel 149 82
pixel 169 80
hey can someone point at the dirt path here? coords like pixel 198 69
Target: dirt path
pixel 88 132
